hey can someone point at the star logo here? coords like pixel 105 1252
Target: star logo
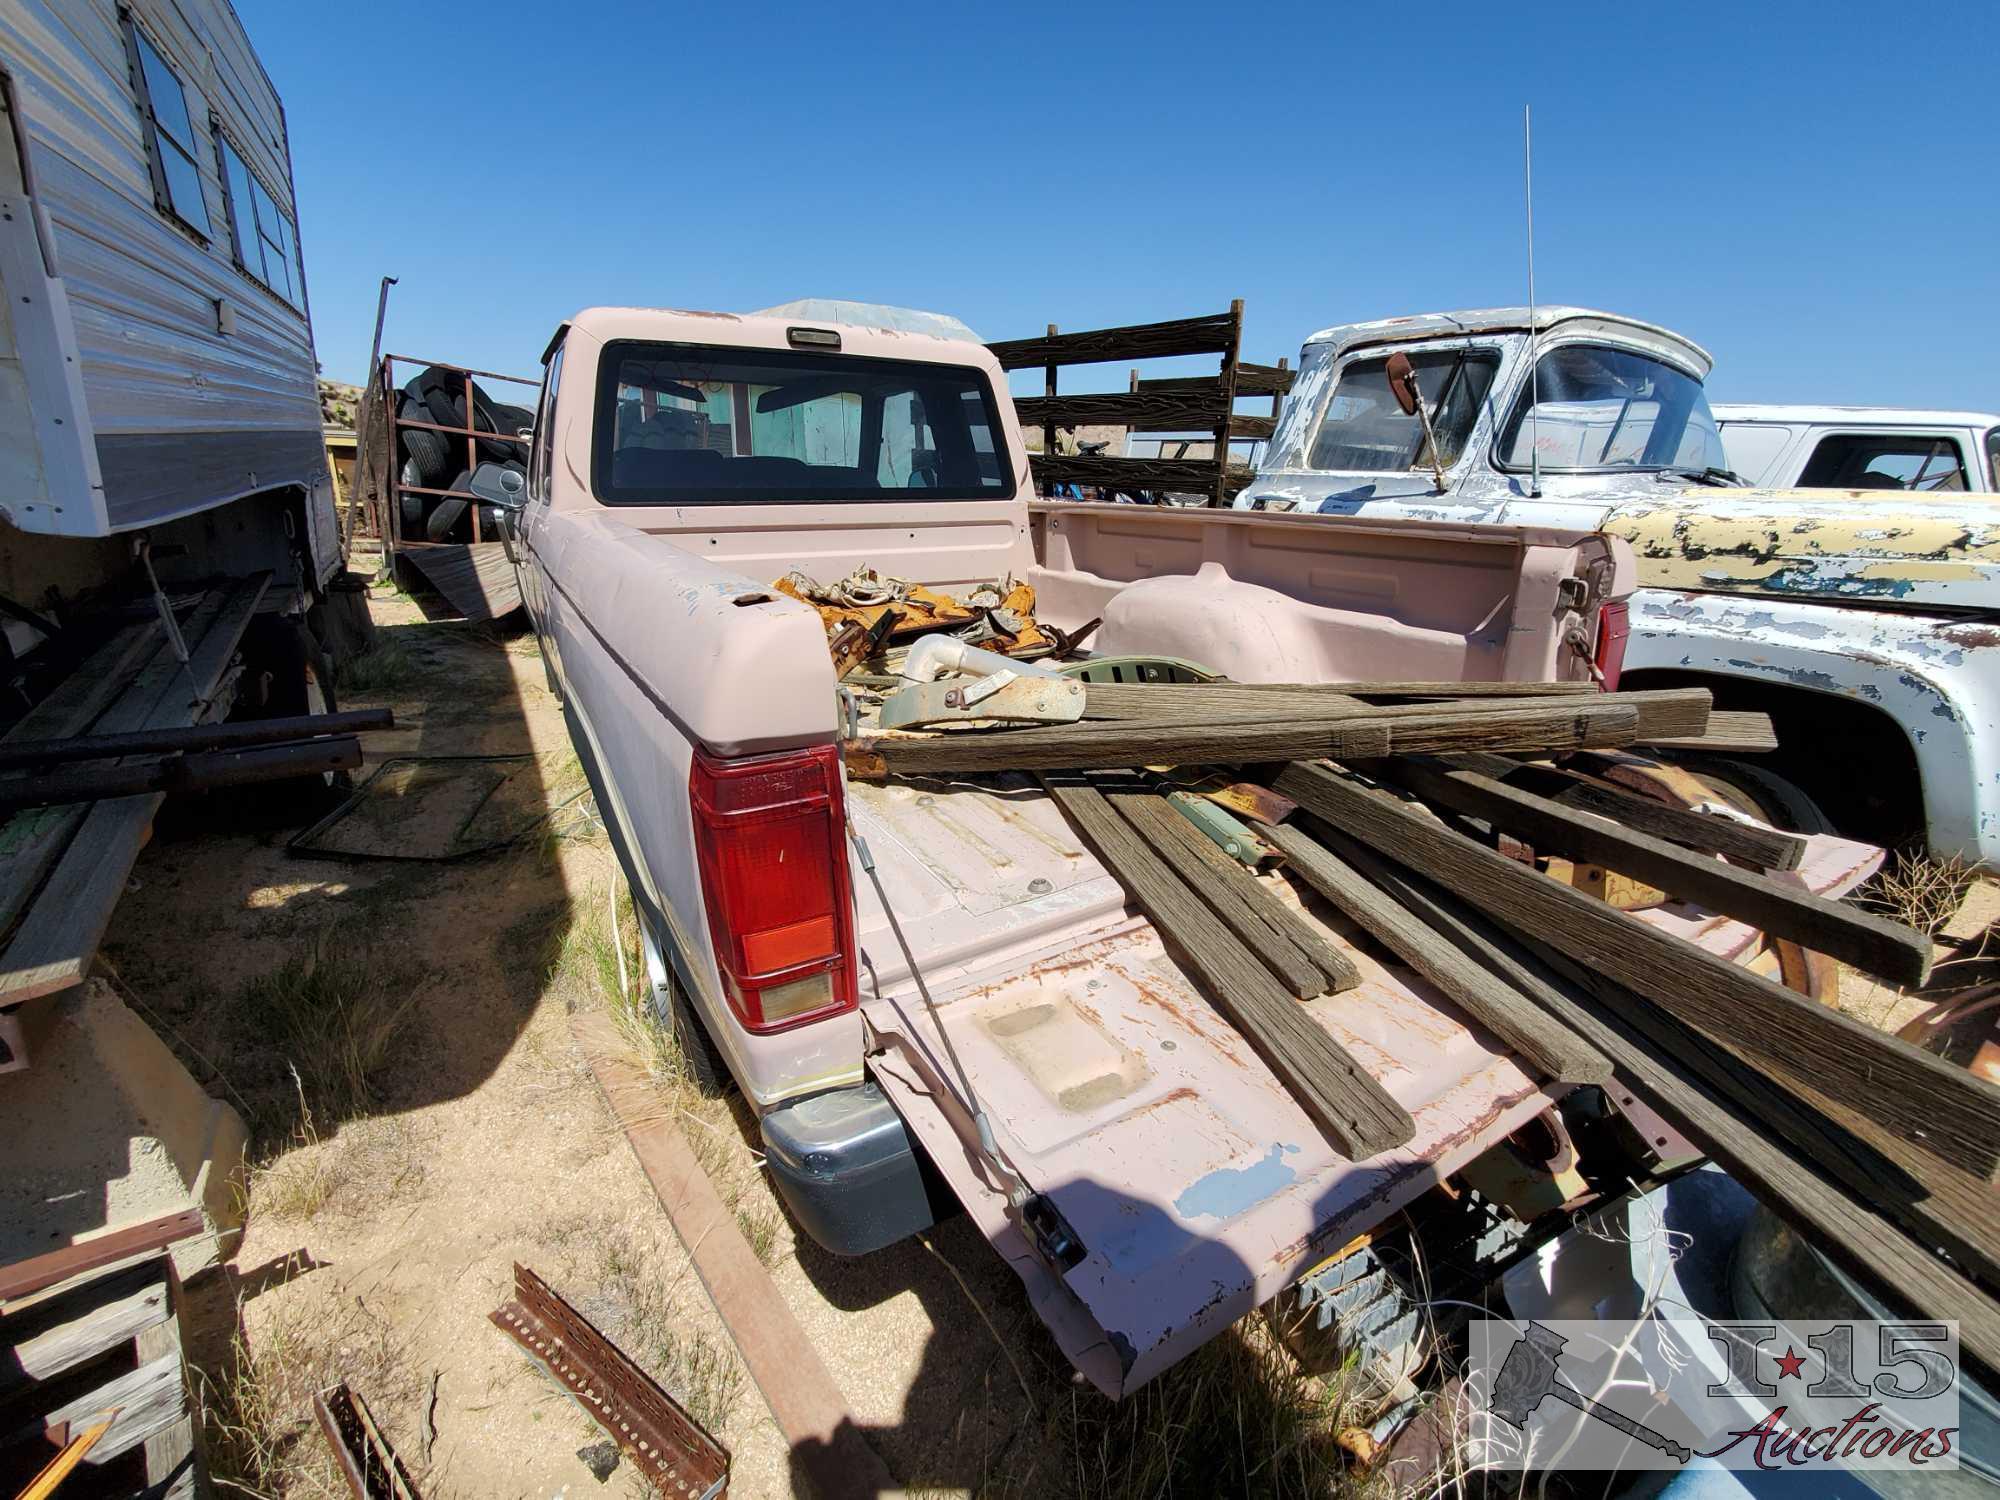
pixel 1791 1363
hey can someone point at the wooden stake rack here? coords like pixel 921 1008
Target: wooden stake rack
pixel 93 1382
pixel 1176 404
pixel 1424 813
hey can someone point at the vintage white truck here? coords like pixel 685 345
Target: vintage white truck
pixel 1861 447
pixel 970 1009
pixel 1863 621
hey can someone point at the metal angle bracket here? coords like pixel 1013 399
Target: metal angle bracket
pixel 367 1462
pixel 667 1445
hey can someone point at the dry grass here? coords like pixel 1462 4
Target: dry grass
pixel 256 1410
pixel 1919 891
pixel 389 666
pixel 307 1041
pixel 1237 1417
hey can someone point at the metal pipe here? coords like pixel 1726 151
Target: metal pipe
pixel 189 773
pixel 935 655
pixel 18 753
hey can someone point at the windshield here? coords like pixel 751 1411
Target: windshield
pixel 679 425
pixel 1363 428
pixel 1611 409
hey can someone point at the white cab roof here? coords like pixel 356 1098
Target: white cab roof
pixel 1501 320
pixel 1849 416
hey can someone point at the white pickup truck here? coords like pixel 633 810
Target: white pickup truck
pixel 1862 620
pixel 1034 1049
pixel 1861 447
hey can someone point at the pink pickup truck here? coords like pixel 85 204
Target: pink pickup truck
pixel 1035 1052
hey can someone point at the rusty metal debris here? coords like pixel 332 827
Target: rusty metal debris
pixel 367 1462
pixel 999 614
pixel 667 1445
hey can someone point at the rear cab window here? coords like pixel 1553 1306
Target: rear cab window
pixel 1885 461
pixel 686 425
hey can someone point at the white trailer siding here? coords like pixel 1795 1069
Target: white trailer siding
pixel 184 415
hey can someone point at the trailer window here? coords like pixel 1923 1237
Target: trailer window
pixel 170 134
pixel 1363 429
pixel 261 236
pixel 1893 461
pixel 678 425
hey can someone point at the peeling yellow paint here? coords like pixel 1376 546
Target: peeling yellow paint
pixel 1807 542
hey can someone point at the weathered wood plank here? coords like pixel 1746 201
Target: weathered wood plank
pixel 1209 334
pixel 1869 942
pixel 30 842
pixel 1598 722
pixel 1941 1108
pixel 63 1331
pixel 1710 833
pixel 1251 380
pixel 1234 702
pixel 1730 729
pixel 1357 1114
pixel 1943 1207
pixel 1125 474
pixel 1175 840
pixel 479 580
pixel 151 1397
pixel 1712 1110
pixel 1344 874
pixel 1340 970
pixel 1141 411
pixel 59 933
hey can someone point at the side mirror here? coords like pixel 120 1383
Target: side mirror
pixel 497 484
pixel 1403 384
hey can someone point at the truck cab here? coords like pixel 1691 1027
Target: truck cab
pixel 1592 405
pixel 1853 616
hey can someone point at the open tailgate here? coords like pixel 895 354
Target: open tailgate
pixel 1193 1184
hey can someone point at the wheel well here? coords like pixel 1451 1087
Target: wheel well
pixel 1852 758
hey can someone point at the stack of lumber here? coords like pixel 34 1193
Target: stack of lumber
pixel 63 868
pixel 1408 806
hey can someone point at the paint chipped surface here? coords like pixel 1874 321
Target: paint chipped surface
pixel 1228 1191
pixel 1862 547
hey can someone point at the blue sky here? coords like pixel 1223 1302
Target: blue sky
pixel 1812 191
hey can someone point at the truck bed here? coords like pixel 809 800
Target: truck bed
pixel 1172 1153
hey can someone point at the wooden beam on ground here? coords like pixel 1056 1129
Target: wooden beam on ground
pixel 1869 942
pixel 1712 1112
pixel 1691 828
pixel 810 1411
pixel 1343 873
pixel 1354 1111
pixel 1929 1102
pixel 72 1327
pixel 1728 729
pixel 1266 926
pixel 1598 722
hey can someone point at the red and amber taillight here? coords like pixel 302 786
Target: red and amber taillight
pixel 770 840
pixel 1614 629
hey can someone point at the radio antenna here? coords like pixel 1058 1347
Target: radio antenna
pixel 1534 351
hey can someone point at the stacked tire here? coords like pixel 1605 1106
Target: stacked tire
pixel 430 460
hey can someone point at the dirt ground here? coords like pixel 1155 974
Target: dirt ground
pixel 398 1037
